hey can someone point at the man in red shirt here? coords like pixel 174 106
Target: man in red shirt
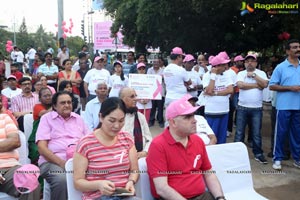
pixel 15 71
pixel 178 165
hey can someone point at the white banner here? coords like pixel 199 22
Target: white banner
pixel 147 86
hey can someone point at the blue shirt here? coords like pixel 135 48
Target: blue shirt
pixel 126 68
pixel 286 74
pixel 91 114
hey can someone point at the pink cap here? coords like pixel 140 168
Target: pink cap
pixel 250 56
pixel 118 62
pixel 177 50
pixel 189 97
pixel 224 55
pixel 238 58
pixel 26 178
pixel 180 107
pixel 210 59
pixel 141 64
pixel 219 60
pixel 188 58
pixel 11 77
pixel 98 58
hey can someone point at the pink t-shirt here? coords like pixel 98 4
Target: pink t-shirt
pixel 106 162
pixel 60 132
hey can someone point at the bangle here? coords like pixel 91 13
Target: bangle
pixel 132 181
pixel 213 76
pixel 220 197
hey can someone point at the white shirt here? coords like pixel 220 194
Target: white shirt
pixel 116 84
pixel 217 104
pixel 31 53
pixel 174 77
pixel 94 76
pixel 203 129
pixel 232 75
pixel 91 113
pixel 195 78
pixel 9 93
pixel 251 98
pixel 17 56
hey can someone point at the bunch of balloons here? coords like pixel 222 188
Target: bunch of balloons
pixel 66 29
pixel 284 36
pixel 9 46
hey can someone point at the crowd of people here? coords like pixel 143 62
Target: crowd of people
pixel 84 109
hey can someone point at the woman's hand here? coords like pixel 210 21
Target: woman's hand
pixel 130 186
pixel 107 187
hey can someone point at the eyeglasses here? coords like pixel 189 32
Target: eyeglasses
pixel 65 102
pixel 25 84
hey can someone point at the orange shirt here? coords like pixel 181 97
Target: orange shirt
pixel 7 126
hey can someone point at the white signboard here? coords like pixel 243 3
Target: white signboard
pixel 147 86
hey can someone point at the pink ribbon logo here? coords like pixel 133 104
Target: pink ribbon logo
pixel 158 90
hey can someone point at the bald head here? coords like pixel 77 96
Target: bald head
pixel 128 95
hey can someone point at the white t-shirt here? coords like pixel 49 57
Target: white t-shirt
pixel 9 93
pixel 217 104
pixel 203 129
pixel 31 53
pixel 201 71
pixel 195 78
pixel 116 84
pixel 159 72
pixel 94 76
pixel 251 98
pixel 174 77
pixel 232 75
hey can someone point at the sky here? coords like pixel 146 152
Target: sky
pixel 43 12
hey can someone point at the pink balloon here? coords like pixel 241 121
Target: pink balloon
pixel 70 32
pixel 70 19
pixel 9 42
pixel 55 25
pixel 64 36
pixel 66 30
pixel 7 45
pixel 63 23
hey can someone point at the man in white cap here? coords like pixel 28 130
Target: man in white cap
pixel 175 76
pixel 177 156
pixel 251 82
pixel 94 76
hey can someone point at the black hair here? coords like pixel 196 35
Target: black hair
pixel 24 79
pixel 42 89
pixel 14 65
pixel 109 105
pixel 65 61
pixel 81 55
pixel 174 56
pixel 131 53
pixel 63 84
pixel 56 95
pixel 287 45
pixel 46 54
pixel 122 73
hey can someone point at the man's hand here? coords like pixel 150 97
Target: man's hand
pixel 295 88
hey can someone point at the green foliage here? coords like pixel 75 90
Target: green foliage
pixel 38 39
pixel 198 25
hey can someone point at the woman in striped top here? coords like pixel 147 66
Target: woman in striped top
pixel 107 158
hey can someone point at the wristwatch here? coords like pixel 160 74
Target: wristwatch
pixel 220 197
pixel 253 75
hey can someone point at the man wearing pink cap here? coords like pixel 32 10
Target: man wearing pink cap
pixel 251 82
pixel 175 76
pixel 178 165
pixel 189 62
pixel 217 88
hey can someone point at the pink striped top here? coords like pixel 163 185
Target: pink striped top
pixel 106 162
pixel 20 103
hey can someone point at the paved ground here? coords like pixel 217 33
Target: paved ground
pixel 267 182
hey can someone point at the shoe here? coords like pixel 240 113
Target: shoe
pixel 161 125
pixel 261 159
pixel 151 124
pixel 228 133
pixel 277 165
pixel 270 154
pixel 297 164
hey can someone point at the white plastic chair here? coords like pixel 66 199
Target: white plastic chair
pixel 73 194
pixel 142 186
pixel 28 124
pixel 232 166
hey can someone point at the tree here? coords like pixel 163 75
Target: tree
pixel 197 25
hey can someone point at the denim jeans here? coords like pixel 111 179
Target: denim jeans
pixel 254 117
